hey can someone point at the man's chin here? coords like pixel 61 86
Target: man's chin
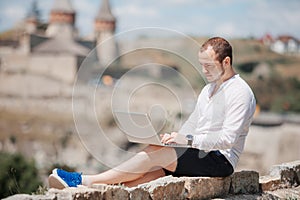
pixel 210 80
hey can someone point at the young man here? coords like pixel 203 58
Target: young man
pixel 216 131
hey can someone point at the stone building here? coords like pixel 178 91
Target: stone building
pixel 105 26
pixel 55 49
pixel 62 16
pixel 32 19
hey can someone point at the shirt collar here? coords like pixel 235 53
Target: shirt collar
pixel 212 85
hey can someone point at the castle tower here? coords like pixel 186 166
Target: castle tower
pixel 62 19
pixel 32 19
pixel 104 26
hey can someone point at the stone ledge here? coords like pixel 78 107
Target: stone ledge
pixel 287 193
pixel 76 193
pixel 163 188
pixel 243 184
pixel 269 183
pixel 285 175
pixel 289 173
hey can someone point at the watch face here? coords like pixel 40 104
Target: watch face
pixel 189 137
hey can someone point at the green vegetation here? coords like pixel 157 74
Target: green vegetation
pixel 17 175
pixel 277 85
pixel 277 94
pixel 247 67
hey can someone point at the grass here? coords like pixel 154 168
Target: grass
pixel 41 190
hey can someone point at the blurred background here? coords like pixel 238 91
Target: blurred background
pixel 44 45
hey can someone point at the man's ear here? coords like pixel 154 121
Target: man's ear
pixel 226 61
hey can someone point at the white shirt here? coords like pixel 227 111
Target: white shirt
pixel 222 121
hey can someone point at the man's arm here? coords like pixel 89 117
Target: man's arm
pixel 238 118
pixel 188 128
pixel 191 123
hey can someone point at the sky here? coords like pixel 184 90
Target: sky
pixel 227 18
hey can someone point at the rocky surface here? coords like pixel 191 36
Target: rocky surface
pixel 244 182
pixel 213 187
pixel 281 183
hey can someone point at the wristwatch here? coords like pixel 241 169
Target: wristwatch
pixel 189 139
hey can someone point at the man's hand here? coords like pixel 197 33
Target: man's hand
pixel 174 137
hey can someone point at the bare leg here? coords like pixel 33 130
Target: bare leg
pixel 149 176
pixel 136 167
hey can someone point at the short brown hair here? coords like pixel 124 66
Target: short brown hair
pixel 221 47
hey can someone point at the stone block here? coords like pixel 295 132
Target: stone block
pixel 138 194
pixel 269 183
pixel 286 193
pixel 165 188
pixel 79 193
pixel 206 187
pixel 112 192
pixel 249 197
pixel 289 173
pixel 244 182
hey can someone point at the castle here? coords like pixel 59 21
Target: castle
pixel 54 49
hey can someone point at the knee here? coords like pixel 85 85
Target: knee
pixel 150 153
pixel 161 156
pixel 158 151
pixel 153 148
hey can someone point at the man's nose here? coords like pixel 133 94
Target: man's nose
pixel 204 70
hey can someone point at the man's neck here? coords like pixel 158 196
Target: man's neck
pixel 226 76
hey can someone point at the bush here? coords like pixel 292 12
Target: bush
pixel 277 94
pixel 17 175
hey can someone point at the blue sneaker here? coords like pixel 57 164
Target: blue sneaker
pixel 60 179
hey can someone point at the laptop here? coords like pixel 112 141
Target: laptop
pixel 138 128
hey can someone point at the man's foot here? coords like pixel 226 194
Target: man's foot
pixel 61 179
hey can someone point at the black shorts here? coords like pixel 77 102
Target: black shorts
pixel 194 162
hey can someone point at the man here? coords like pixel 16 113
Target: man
pixel 216 131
